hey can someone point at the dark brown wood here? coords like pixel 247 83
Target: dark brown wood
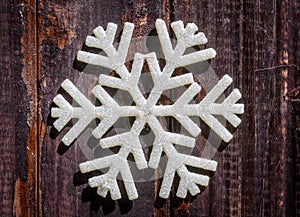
pixel 257 43
pixel 19 110
pixel 62 31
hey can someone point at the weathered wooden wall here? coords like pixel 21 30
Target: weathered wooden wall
pixel 258 44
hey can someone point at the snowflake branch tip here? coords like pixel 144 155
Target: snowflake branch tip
pixel 177 163
pixel 187 34
pixel 115 59
pixel 108 182
pixel 189 182
pixel 186 38
pixel 65 112
pixel 228 108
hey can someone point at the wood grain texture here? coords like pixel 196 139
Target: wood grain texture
pixel 257 43
pixel 64 26
pixel 19 110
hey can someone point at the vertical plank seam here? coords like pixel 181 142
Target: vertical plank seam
pixel 284 110
pixel 38 115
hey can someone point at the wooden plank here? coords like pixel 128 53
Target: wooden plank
pixel 257 173
pixel 18 143
pixel 63 28
pixel 62 31
pixel 219 21
pixel 249 38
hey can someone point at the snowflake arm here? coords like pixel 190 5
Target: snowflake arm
pixel 112 113
pixel 131 143
pixel 178 110
pixel 184 99
pixel 115 59
pixel 206 109
pixel 161 138
pixel 108 182
pixel 130 81
pixel 108 113
pixel 188 181
pixel 228 108
pixel 162 80
pixel 177 162
pixel 186 38
pixel 86 113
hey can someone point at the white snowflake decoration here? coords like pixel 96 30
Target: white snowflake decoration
pixel 146 111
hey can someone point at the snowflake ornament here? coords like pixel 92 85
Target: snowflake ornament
pixel 146 111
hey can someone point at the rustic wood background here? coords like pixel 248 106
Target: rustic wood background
pixel 258 44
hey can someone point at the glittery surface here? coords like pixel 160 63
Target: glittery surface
pixel 146 110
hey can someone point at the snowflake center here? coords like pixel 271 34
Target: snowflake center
pixel 145 110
